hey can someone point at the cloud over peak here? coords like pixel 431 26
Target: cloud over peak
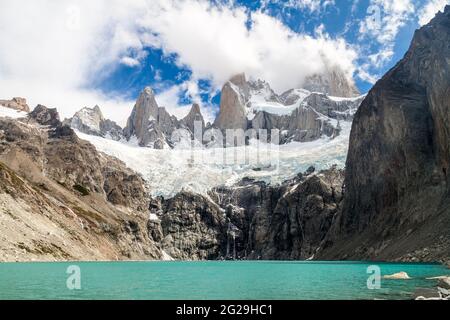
pixel 67 46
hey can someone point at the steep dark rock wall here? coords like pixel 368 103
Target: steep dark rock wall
pixel 397 194
pixel 287 222
pixel 191 227
pixel 250 220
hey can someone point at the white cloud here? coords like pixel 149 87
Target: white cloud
pixel 129 61
pixel 383 22
pixel 314 6
pixel 365 75
pixel 51 51
pixel 216 44
pixel 428 11
pixel 385 18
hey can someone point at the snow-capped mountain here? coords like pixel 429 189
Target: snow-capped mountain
pixel 150 124
pixel 314 131
pixel 299 114
pixel 91 121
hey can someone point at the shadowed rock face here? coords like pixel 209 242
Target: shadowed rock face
pixel 397 199
pixel 45 116
pixel 287 222
pixel 193 227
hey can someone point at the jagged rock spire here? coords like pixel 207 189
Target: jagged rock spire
pixel 150 124
pixel 232 114
pixel 193 116
pixel 145 110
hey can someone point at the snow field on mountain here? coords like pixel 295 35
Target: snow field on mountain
pixel 170 171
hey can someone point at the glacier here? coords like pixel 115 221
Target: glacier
pixel 169 171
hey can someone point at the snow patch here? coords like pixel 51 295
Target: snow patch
pixel 11 113
pixel 338 99
pixel 166 256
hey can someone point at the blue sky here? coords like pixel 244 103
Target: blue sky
pixel 106 51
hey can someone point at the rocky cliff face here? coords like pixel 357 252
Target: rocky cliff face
pixel 287 222
pixel 19 104
pixel 62 200
pixel 250 220
pixel 397 203
pixel 190 227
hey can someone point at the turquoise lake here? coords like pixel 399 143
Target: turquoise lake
pixel 212 280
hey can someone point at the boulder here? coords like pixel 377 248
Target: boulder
pixel 426 294
pixel 397 276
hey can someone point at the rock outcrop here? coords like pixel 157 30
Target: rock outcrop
pixel 45 116
pixel 191 227
pixel 397 203
pixel 19 104
pixel 288 222
pixel 91 121
pixel 302 125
